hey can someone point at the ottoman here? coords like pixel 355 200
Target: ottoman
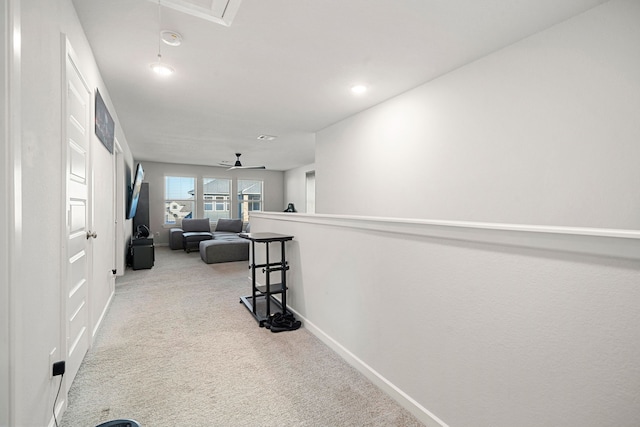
pixel 192 239
pixel 223 250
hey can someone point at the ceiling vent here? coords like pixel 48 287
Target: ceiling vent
pixel 218 11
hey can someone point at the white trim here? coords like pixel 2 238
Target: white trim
pixel 419 411
pixel 62 343
pixel 102 315
pixel 591 241
pixel 7 203
pixel 372 222
pixel 120 205
pixel 11 199
pixel 402 398
pixel 117 151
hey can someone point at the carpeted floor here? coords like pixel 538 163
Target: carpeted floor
pixel 177 349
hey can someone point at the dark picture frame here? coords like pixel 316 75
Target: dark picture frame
pixel 105 125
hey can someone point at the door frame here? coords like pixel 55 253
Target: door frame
pixel 11 199
pixel 118 209
pixel 310 191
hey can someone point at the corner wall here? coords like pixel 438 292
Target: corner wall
pixel 295 186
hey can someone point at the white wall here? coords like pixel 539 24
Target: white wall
pixel 295 186
pixel 155 172
pixel 468 325
pixel 524 326
pixel 9 197
pixel 36 288
pixel 542 132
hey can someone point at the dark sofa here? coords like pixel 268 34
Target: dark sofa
pixel 221 245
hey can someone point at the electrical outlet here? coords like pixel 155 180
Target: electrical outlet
pixel 157 234
pixel 58 368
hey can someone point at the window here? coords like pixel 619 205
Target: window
pixel 222 203
pixel 179 196
pixel 217 196
pixel 249 197
pixel 206 197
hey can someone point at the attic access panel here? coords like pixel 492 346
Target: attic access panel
pixel 218 11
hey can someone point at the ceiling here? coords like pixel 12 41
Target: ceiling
pixel 285 67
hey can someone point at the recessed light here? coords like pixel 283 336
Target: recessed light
pixel 162 69
pixel 266 137
pixel 359 89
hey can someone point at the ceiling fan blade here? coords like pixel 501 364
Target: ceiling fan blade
pixel 246 167
pixel 238 165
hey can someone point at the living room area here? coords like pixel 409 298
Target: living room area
pixel 472 258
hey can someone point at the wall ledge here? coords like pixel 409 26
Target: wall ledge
pixel 614 243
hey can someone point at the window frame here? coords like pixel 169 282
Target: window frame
pixel 199 199
pixel 241 214
pixel 184 202
pixel 214 200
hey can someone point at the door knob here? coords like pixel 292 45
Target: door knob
pixel 90 234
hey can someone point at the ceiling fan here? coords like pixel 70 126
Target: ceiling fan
pixel 238 165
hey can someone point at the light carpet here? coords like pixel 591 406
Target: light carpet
pixel 176 348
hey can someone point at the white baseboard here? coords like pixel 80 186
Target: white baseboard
pixel 420 412
pixel 102 315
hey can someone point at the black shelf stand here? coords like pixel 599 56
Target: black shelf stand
pixel 262 296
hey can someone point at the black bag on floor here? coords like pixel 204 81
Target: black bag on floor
pixel 279 322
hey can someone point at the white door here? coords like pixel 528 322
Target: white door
pixel 78 253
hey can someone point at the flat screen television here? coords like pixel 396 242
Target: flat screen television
pixel 135 192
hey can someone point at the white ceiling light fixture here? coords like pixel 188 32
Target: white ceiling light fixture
pixel 266 137
pixel 172 38
pixel 160 67
pixel 359 89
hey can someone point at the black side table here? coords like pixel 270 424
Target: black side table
pixel 142 254
pixel 263 295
